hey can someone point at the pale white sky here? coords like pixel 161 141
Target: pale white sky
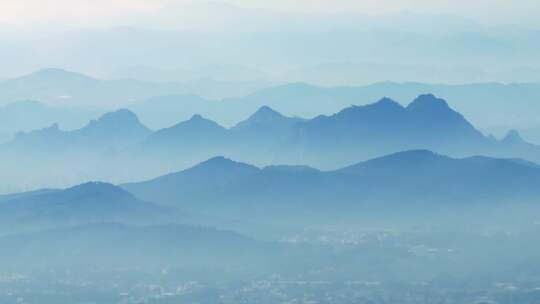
pixel 126 12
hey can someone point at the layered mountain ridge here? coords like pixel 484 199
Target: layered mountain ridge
pixel 118 147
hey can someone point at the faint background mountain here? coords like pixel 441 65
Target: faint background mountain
pixel 160 105
pixel 57 86
pixel 111 131
pixel 25 116
pixel 448 45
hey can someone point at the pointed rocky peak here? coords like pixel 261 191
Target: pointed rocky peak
pixel 220 164
pixel 266 113
pixel 428 103
pixel 121 125
pixel 387 102
pixel 52 130
pixel 121 118
pixel 197 121
pixel 217 161
pixel 381 110
pixel 265 116
pixel 513 137
pixel 197 117
pixel 195 129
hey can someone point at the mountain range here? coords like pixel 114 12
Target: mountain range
pixel 410 185
pixel 350 135
pixel 511 106
pixel 28 115
pixel 160 105
pixel 117 147
pixel 112 130
pixel 406 181
pixel 404 186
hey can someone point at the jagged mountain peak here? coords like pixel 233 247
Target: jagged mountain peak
pixel 267 117
pixel 51 130
pixel 118 128
pixel 428 102
pixel 197 117
pixel 513 137
pixel 196 121
pixel 118 118
pixel 221 163
pixel 266 112
pixel 383 104
pixel 387 102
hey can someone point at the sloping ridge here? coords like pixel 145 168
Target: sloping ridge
pixel 93 201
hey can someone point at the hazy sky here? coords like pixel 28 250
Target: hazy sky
pixel 437 40
pixel 128 12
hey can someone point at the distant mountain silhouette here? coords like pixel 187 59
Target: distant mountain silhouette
pixel 427 118
pixel 259 136
pixel 513 138
pixel 163 111
pixel 263 119
pixel 506 102
pixel 411 178
pixel 216 174
pixel 118 129
pixel 112 130
pixel 195 137
pixel 52 157
pixel 353 134
pixel 90 202
pixel 27 115
pixel 385 127
pixel 59 86
pixel 108 148
pixel 197 128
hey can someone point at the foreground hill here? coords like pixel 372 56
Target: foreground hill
pixel 86 203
